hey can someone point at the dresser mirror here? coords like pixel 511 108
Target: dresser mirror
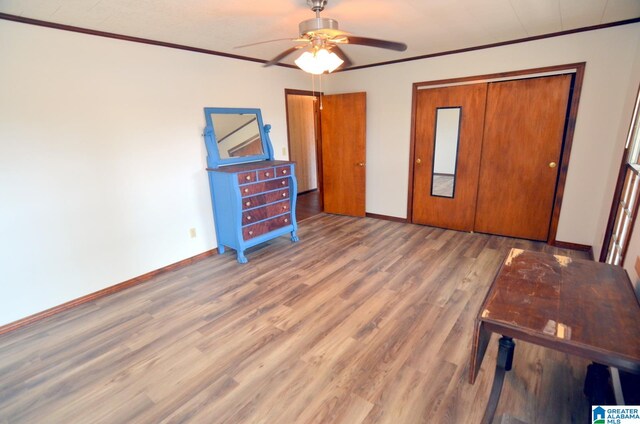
pixel 236 135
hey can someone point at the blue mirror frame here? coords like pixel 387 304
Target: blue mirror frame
pixel 213 155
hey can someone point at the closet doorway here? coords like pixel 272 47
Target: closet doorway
pixel 304 143
pixel 327 140
pixel 490 153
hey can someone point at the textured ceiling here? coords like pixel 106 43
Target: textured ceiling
pixel 427 26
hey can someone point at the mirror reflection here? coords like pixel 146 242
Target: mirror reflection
pixel 237 134
pixel 445 152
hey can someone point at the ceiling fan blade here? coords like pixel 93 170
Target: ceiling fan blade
pixel 338 51
pixel 272 41
pixel 282 55
pixel 373 42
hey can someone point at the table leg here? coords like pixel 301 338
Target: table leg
pixel 617 386
pixel 479 345
pixel 506 347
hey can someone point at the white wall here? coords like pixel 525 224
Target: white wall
pixel 102 159
pixel 604 109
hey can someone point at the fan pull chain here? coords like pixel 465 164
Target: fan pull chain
pixel 320 83
pixel 313 87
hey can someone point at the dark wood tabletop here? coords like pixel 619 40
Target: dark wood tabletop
pixel 576 306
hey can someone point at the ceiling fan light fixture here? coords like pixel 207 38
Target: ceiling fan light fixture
pixel 318 61
pixel 324 39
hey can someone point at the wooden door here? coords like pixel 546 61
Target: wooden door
pixel 430 207
pixel 301 124
pixel 343 123
pixel 524 130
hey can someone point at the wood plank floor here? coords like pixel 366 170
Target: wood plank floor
pixel 308 205
pixel 362 321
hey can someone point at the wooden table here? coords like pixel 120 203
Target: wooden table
pixel 576 306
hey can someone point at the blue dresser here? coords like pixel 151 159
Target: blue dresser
pixel 253 196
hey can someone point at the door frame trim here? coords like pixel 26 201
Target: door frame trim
pixel 318 130
pixel 577 69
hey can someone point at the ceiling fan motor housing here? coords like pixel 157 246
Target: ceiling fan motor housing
pixel 325 26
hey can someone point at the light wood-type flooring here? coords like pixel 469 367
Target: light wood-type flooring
pixel 362 321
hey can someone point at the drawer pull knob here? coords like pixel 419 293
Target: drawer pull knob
pixel 250 233
pixel 286 220
pixel 248 217
pixel 248 178
pixel 284 183
pixel 284 171
pixel 266 174
pixel 284 194
pixel 246 190
pixel 284 207
pixel 247 204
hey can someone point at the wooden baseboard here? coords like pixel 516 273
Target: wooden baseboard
pixel 574 246
pixel 387 218
pixel 31 319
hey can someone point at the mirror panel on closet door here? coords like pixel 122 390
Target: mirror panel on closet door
pixel 445 156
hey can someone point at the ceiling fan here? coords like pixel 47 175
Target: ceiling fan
pixel 321 39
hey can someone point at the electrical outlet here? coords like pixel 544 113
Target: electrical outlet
pixel 284 151
pixel 192 232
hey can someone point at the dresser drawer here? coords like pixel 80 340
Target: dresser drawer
pixel 250 189
pixel 263 199
pixel 266 174
pixel 246 177
pixel 264 227
pixel 259 214
pixel 283 171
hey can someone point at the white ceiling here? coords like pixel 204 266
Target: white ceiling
pixel 427 26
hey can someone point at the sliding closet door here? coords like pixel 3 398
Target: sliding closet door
pixel 448 139
pixel 523 135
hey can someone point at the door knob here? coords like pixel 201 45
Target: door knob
pixel 552 165
pixel 418 161
pixel 360 163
